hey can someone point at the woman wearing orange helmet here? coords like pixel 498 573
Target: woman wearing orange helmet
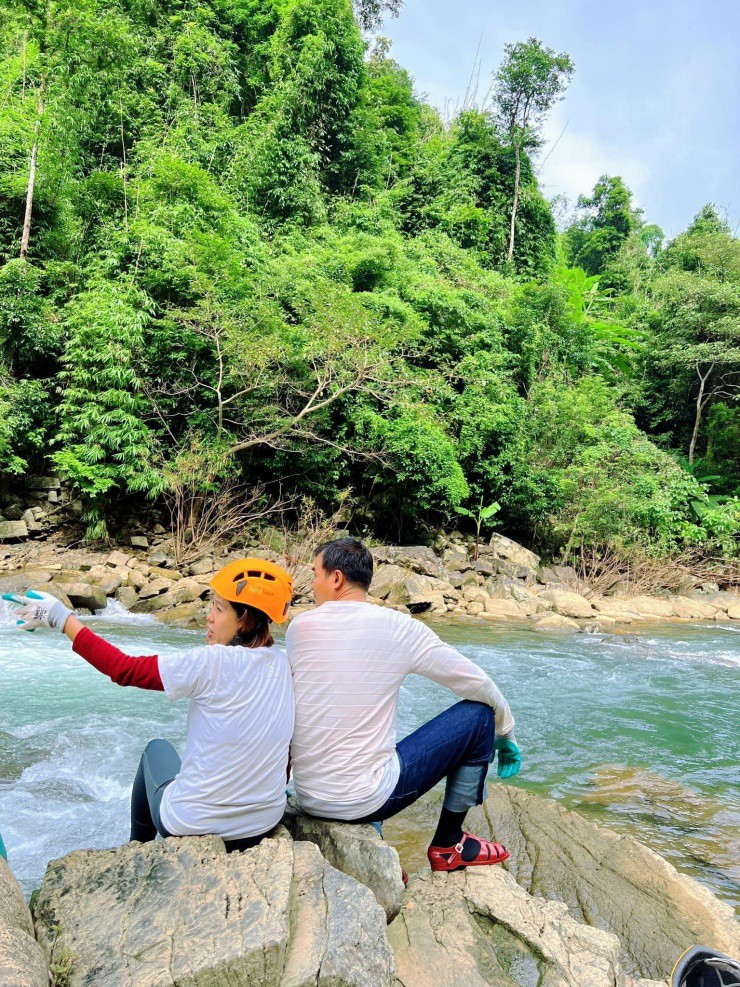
pixel 231 780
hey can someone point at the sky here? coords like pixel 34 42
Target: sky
pixel 655 96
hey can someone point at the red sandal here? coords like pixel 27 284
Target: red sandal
pixel 450 857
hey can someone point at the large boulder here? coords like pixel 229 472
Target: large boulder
pixel 184 591
pixel 690 608
pixel 558 623
pixel 417 558
pixel 22 961
pixel 652 606
pixel 567 603
pixel 13 530
pixel 184 912
pixel 84 595
pixel 505 548
pixel 418 593
pixel 385 578
pixel 618 609
pixel 478 928
pixel 497 609
pixel 608 881
pixel 356 850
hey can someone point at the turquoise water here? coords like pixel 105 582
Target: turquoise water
pixel 639 732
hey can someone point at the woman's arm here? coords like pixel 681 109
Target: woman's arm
pixel 43 610
pixel 123 669
pixel 73 626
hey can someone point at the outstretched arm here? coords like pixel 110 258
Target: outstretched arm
pixel 44 610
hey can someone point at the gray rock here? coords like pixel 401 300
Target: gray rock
pixel 338 930
pixel 84 595
pixel 22 961
pixel 107 579
pixel 505 548
pixel 139 541
pixel 723 600
pixel 455 558
pixel 183 591
pixel 477 928
pixel 385 578
pixel 417 558
pixel 154 588
pixel 183 912
pixel 514 571
pixel 157 557
pixel 568 604
pixel 157 572
pixel 202 566
pixel 43 482
pixel 418 593
pixel 13 530
pixel 608 881
pixel 356 850
pixel 52 497
pixel 116 559
pixel 556 622
pixel 126 596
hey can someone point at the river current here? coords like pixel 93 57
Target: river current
pixel 640 732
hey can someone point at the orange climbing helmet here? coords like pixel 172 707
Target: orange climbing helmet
pixel 258 583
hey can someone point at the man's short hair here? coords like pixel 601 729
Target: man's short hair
pixel 351 557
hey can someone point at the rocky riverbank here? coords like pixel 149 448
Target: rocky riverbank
pixel 322 903
pixel 500 581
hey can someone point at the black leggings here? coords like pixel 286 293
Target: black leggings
pixel 158 768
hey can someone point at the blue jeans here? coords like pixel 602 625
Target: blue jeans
pixel 457 745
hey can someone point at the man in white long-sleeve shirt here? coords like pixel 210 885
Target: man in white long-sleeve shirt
pixel 348 659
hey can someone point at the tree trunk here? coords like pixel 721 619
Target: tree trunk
pixel 515 204
pixel 26 235
pixel 700 405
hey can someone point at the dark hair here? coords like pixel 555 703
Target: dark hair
pixel 351 557
pixel 254 627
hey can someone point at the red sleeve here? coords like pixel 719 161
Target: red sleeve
pixel 122 669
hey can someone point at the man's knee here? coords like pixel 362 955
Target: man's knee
pixel 481 715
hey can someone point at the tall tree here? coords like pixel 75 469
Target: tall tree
pixel 530 81
pixel 608 218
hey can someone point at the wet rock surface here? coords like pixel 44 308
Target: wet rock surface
pixel 608 881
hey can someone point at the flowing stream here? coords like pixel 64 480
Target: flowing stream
pixel 639 732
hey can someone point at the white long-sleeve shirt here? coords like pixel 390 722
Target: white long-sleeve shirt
pixel 348 661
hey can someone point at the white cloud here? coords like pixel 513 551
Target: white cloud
pixel 575 163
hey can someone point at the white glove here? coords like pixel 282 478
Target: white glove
pixel 39 610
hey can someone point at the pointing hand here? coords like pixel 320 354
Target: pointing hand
pixel 39 610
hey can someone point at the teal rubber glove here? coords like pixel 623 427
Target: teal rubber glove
pixel 39 610
pixel 509 757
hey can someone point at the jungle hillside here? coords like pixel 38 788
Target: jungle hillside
pixel 244 263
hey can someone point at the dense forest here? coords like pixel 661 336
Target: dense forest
pixel 240 257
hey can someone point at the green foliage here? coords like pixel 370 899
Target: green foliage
pixel 420 476
pixel 608 218
pixel 258 256
pixel 26 417
pixel 106 443
pixel 531 79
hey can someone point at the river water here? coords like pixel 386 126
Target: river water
pixel 640 732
